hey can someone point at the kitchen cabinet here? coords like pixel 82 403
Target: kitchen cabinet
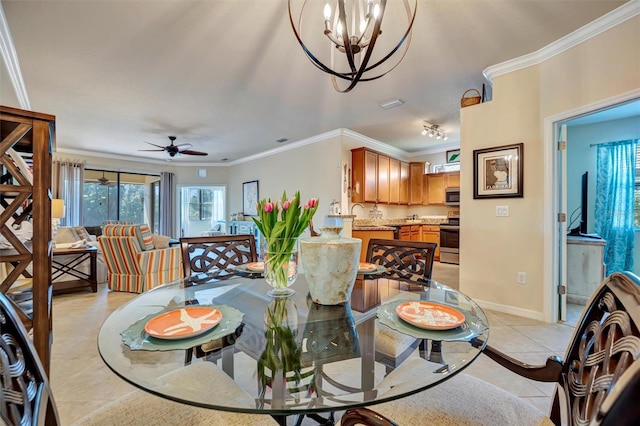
pixel 364 176
pixel 410 233
pixel 404 183
pixel 367 235
pixel 383 179
pixel 431 234
pixel 435 185
pixel 416 173
pixel 394 181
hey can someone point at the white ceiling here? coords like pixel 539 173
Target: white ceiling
pixel 228 76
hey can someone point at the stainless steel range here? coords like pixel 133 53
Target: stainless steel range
pixel 450 240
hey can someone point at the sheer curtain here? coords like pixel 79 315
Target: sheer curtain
pixel 67 184
pixel 167 204
pixel 615 187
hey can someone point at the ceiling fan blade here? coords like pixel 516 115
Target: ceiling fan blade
pixel 190 152
pixel 154 150
pixel 183 147
pixel 159 146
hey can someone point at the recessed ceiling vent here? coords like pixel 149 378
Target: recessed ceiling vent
pixel 281 140
pixel 391 103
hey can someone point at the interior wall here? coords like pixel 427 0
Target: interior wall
pixel 493 249
pixel 313 169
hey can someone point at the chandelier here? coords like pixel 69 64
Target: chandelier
pixel 434 131
pixel 352 28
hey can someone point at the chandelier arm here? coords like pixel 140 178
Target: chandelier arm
pixel 342 17
pixel 405 37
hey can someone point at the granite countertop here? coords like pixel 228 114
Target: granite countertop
pixel 373 228
pixel 386 224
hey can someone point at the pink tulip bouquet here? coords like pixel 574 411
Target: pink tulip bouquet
pixel 281 223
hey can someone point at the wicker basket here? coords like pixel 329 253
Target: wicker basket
pixel 471 99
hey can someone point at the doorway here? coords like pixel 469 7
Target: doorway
pixel 202 209
pixel 560 185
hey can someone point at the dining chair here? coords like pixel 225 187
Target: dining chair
pixel 403 259
pixel 597 382
pixel 219 254
pixel 26 397
pixel 408 261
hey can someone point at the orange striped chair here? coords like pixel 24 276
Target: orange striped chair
pixel 133 264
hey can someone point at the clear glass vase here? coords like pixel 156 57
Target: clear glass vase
pixel 280 256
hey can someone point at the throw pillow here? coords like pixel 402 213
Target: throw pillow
pixel 83 234
pixel 147 239
pixel 160 241
pixel 66 235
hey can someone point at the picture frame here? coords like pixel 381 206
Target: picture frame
pixel 250 198
pixel 498 172
pixel 453 156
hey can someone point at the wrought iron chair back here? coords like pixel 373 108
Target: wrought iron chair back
pixel 25 395
pixel 598 381
pixel 403 259
pixel 217 253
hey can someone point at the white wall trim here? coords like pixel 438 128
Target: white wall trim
pixel 512 310
pixel 551 237
pixel 10 57
pixel 592 29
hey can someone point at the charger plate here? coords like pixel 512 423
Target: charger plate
pixel 138 339
pixel 472 326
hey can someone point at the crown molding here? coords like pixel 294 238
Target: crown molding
pixel 437 149
pixel 10 57
pixel 592 29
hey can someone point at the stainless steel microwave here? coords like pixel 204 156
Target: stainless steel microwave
pixel 452 196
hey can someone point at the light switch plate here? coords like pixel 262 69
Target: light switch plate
pixel 502 211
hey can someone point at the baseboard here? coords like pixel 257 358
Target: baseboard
pixel 512 310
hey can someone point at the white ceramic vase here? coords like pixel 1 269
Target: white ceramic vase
pixel 330 265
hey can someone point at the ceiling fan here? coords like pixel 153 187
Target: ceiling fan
pixel 103 181
pixel 174 150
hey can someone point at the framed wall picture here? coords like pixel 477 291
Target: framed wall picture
pixel 250 198
pixel 453 156
pixel 498 172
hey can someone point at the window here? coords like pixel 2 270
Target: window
pixel 202 209
pixel 118 196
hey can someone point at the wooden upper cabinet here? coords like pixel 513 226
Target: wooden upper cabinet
pixel 452 180
pixel 435 188
pixel 364 176
pixel 416 173
pixel 394 181
pixel 404 183
pixel 383 178
pixel 435 185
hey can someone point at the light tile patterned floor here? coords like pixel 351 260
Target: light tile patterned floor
pixel 81 382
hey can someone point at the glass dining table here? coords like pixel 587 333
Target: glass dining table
pixel 291 356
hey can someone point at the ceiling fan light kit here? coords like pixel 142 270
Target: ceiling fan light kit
pixel 359 23
pixel 433 130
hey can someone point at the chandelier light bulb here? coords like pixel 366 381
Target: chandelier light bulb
pixel 424 132
pixel 327 11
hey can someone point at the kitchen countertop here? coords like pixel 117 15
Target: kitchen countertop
pixel 391 224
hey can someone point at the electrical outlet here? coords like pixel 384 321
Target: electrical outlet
pixel 522 278
pixel 502 211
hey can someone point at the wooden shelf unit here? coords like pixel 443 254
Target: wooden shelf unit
pixel 29 132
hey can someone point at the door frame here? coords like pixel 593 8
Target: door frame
pixel 551 207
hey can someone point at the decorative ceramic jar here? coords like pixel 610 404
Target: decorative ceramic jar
pixel 330 265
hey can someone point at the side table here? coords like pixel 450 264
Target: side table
pixel 66 261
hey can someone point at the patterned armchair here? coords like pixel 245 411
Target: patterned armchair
pixel 133 263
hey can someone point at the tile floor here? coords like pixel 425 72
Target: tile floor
pixel 81 382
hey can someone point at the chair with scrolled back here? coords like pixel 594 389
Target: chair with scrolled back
pixel 26 398
pixel 598 382
pixel 404 260
pixel 217 254
pixel 409 261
